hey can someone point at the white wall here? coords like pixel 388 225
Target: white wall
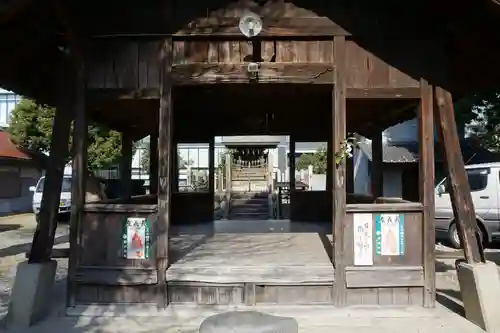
pixel 392 187
pixel 29 176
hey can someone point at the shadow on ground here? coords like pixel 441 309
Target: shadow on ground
pixel 25 247
pixel 9 227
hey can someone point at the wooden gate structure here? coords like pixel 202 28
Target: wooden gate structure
pixel 168 68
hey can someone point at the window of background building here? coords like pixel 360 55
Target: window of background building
pixel 8 101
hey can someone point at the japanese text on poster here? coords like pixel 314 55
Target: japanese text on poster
pixel 363 239
pixel 137 238
pixel 390 234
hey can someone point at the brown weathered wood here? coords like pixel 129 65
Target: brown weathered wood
pixel 389 207
pixel 43 239
pixel 426 176
pixel 383 277
pixel 120 208
pixel 383 93
pixel 339 186
pixel 153 162
pixel 126 165
pixel 55 253
pixel 272 27
pixel 213 73
pixel 461 199
pixel 79 176
pixel 113 276
pixel 164 171
pixel 377 166
pixel 211 166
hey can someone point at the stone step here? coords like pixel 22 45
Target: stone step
pixel 247 216
pixel 249 209
pixel 249 195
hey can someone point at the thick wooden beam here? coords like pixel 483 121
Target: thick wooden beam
pixel 272 27
pixel 43 239
pixel 80 170
pixel 126 165
pixel 461 200
pixel 377 166
pixel 339 181
pixel 165 171
pixel 214 73
pixel 426 189
pixel 9 12
pixel 383 93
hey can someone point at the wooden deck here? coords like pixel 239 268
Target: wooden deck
pixel 251 268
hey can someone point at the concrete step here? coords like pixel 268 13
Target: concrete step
pixel 246 216
pixel 249 195
pixel 249 209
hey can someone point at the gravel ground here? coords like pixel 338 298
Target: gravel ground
pixel 16 235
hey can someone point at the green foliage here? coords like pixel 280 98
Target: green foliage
pixel 31 128
pixel 318 160
pixel 146 156
pixel 481 112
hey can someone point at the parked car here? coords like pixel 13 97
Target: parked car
pixel 484 182
pixel 65 200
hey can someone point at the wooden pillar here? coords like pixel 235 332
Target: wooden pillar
pixel 211 166
pixel 426 189
pixel 461 200
pixel 126 166
pixel 330 166
pixel 291 165
pixel 164 170
pixel 349 175
pixel 153 163
pixel 339 183
pixel 377 167
pixel 175 167
pixel 80 172
pixel 43 239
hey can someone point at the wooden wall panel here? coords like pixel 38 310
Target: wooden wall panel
pixel 365 70
pixel 134 65
pixel 236 52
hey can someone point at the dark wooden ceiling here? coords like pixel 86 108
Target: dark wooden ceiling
pixel 33 37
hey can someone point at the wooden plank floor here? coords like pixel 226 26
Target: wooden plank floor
pixel 265 258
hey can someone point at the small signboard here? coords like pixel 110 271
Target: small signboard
pixel 363 239
pixel 390 234
pixel 137 238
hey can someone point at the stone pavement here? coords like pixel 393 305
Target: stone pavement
pixel 318 319
pixel 16 234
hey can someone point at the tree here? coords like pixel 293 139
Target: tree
pixel 318 160
pixel 146 156
pixel 30 127
pixel 481 112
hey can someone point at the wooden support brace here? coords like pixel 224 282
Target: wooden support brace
pixel 339 181
pixel 80 171
pixel 43 239
pixel 164 172
pixel 426 182
pixel 461 200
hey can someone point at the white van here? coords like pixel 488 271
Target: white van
pixel 484 182
pixel 65 200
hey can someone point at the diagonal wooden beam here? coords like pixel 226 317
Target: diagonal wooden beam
pixel 11 11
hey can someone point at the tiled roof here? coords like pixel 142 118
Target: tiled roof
pixel 407 152
pixel 9 150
